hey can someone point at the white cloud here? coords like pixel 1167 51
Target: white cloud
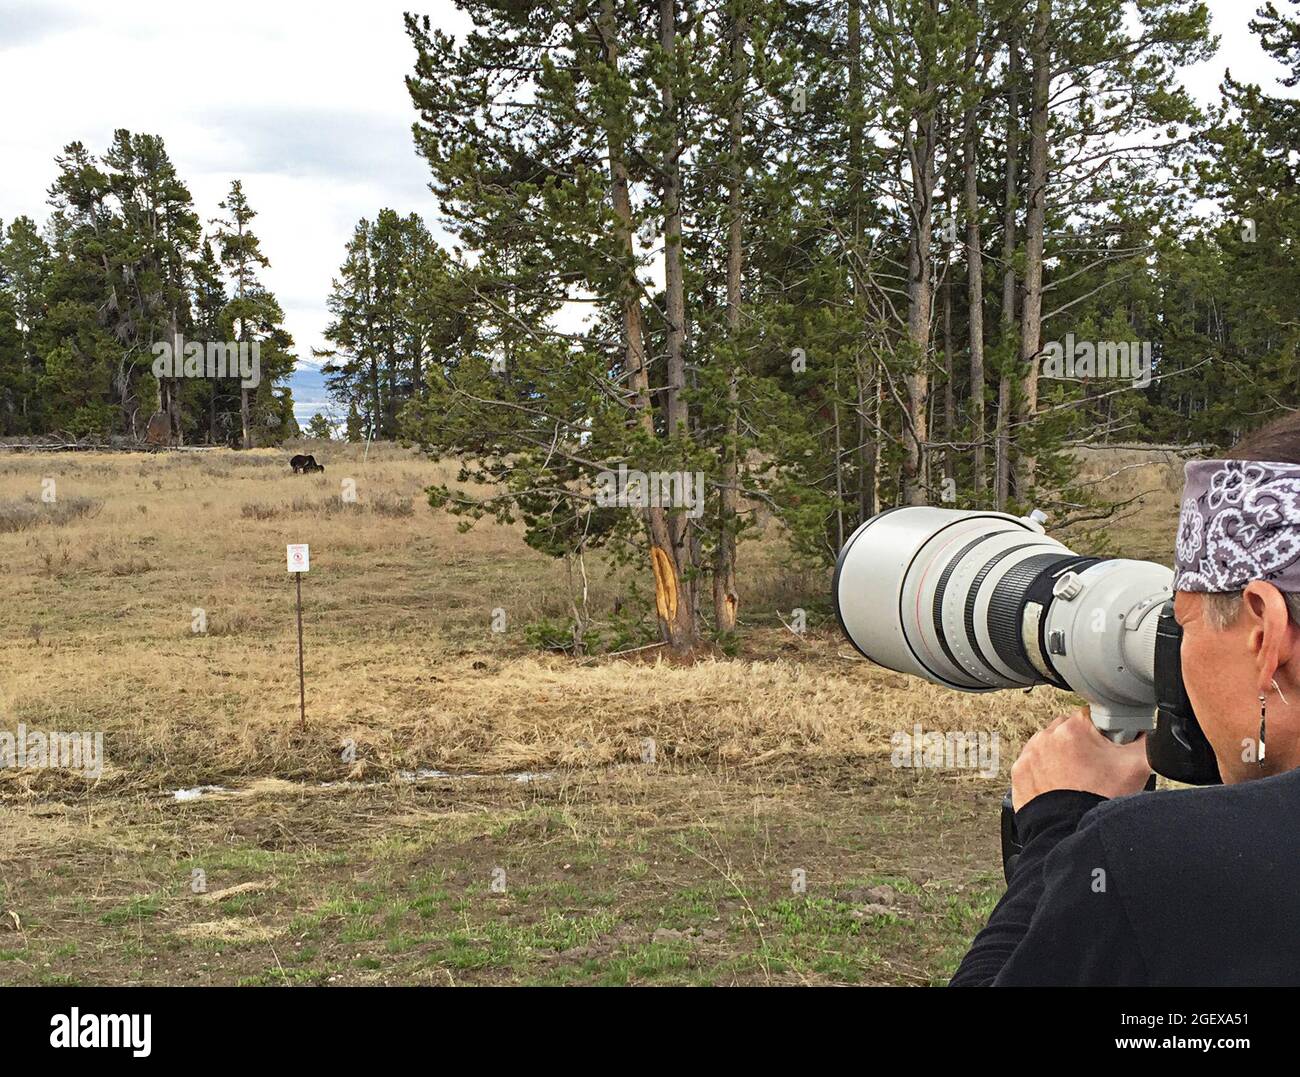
pixel 304 102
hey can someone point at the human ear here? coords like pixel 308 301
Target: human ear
pixel 1269 637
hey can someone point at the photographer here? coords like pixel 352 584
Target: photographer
pixel 1189 886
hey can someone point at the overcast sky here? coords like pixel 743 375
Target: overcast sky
pixel 302 101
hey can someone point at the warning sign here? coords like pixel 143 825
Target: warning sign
pixel 299 557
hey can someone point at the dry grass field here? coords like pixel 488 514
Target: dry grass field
pixel 459 807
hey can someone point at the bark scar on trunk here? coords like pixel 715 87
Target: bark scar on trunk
pixel 665 584
pixel 733 604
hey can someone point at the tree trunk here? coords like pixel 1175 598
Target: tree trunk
pixel 672 600
pixel 376 397
pixel 175 417
pixel 390 391
pixel 869 463
pixel 839 465
pixel 919 295
pixel 1031 312
pixel 726 600
pixel 974 282
pixel 677 411
pixel 1008 319
pixel 921 150
pixel 868 483
pixel 246 426
pixel 949 367
pixel 949 389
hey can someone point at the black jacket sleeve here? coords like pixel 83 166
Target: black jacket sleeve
pixel 1061 920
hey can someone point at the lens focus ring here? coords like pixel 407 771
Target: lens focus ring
pixel 1007 605
pixel 972 595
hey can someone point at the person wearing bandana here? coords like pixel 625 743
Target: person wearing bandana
pixel 1188 886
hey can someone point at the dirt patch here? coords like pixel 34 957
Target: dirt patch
pixel 233 930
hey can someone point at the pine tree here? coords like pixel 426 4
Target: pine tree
pixel 159 235
pixel 24 276
pixel 253 315
pixel 540 182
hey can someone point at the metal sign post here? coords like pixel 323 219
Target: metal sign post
pixel 299 557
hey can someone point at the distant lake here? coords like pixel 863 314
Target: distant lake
pixel 309 393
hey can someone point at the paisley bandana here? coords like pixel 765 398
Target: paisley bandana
pixel 1240 521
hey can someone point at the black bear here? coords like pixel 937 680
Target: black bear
pixel 303 464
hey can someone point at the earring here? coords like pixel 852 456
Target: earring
pixel 1259 759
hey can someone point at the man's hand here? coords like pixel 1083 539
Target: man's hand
pixel 1071 754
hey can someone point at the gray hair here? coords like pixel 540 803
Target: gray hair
pixel 1221 607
